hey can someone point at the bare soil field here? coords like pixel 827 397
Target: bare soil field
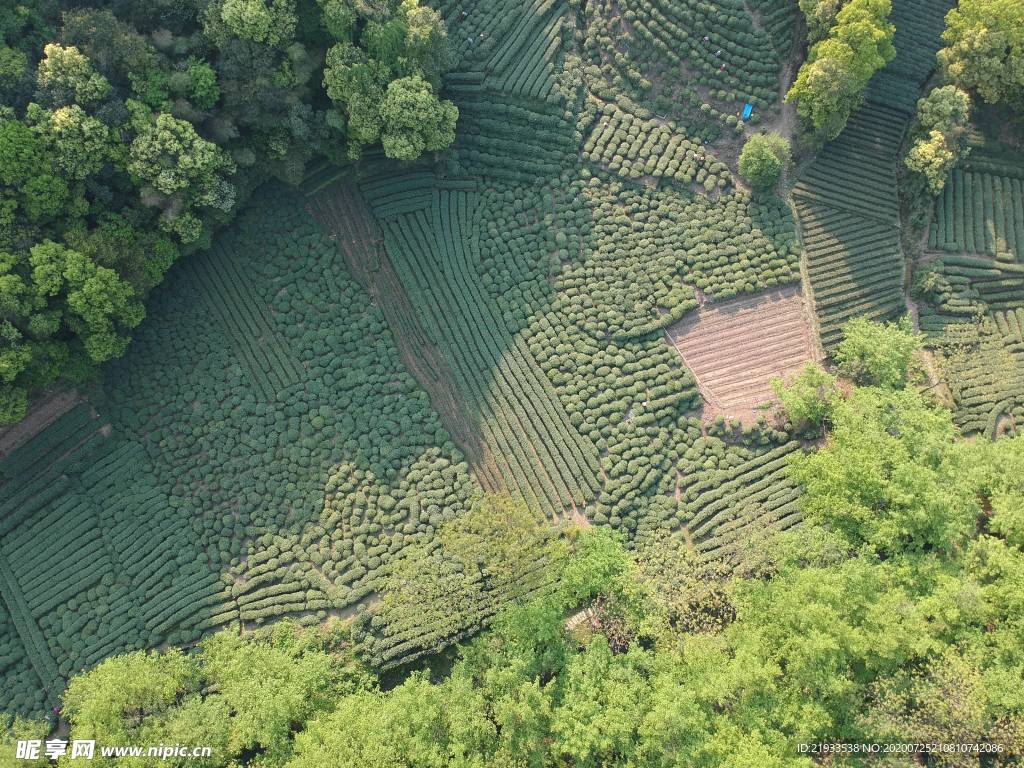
pixel 735 348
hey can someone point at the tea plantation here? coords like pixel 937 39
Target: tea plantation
pixel 847 201
pixel 365 356
pixel 260 451
pixel 971 286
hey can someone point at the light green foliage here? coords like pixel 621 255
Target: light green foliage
pixel 943 120
pixel 203 84
pixel 339 18
pixel 603 703
pixel 985 50
pixel 267 689
pixel 820 16
pixel 932 156
pixel 99 307
pixel 111 701
pixel 238 696
pixel 763 158
pixel 597 566
pixel 20 729
pixel 263 21
pixel 67 76
pixel 808 398
pixel 425 47
pixel 414 121
pixel 417 725
pixel 830 83
pixel 80 144
pixel 184 170
pixel 890 479
pixel 877 353
pixel 358 83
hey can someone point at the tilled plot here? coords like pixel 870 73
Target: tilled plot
pixel 736 348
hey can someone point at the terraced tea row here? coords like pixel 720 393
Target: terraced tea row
pixel 855 268
pixel 847 201
pixel 971 304
pixel 980 213
pixel 261 453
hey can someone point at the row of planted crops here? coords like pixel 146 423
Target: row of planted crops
pixel 263 450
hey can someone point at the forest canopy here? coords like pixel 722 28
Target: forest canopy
pixel 129 131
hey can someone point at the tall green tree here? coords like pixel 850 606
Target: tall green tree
pixel 808 399
pixel 414 120
pixel 877 354
pixel 831 83
pixel 820 15
pixel 939 135
pixel 984 50
pixel 763 158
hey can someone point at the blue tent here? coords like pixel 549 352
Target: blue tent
pixel 747 109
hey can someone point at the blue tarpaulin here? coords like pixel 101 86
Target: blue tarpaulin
pixel 747 109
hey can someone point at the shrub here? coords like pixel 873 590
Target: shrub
pixel 763 158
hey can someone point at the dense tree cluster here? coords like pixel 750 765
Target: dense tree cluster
pixel 820 15
pixel 831 83
pixel 984 50
pixel 939 135
pixel 128 133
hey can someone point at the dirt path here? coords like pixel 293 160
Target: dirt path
pixel 40 414
pixel 337 208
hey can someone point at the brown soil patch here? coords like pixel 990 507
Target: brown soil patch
pixel 735 348
pixel 41 413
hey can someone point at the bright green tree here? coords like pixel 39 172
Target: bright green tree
pixel 79 143
pixel 763 158
pixel 357 83
pixel 890 479
pixel 831 82
pixel 110 702
pixel 97 306
pixel 268 689
pixel 66 76
pixel 877 353
pixel 809 398
pixel 985 50
pixel 416 725
pixel 263 21
pixel 21 729
pixel 414 120
pixel 183 172
pixel 939 135
pixel 604 701
pixel 820 16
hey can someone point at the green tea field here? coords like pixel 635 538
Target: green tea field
pixel 581 303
